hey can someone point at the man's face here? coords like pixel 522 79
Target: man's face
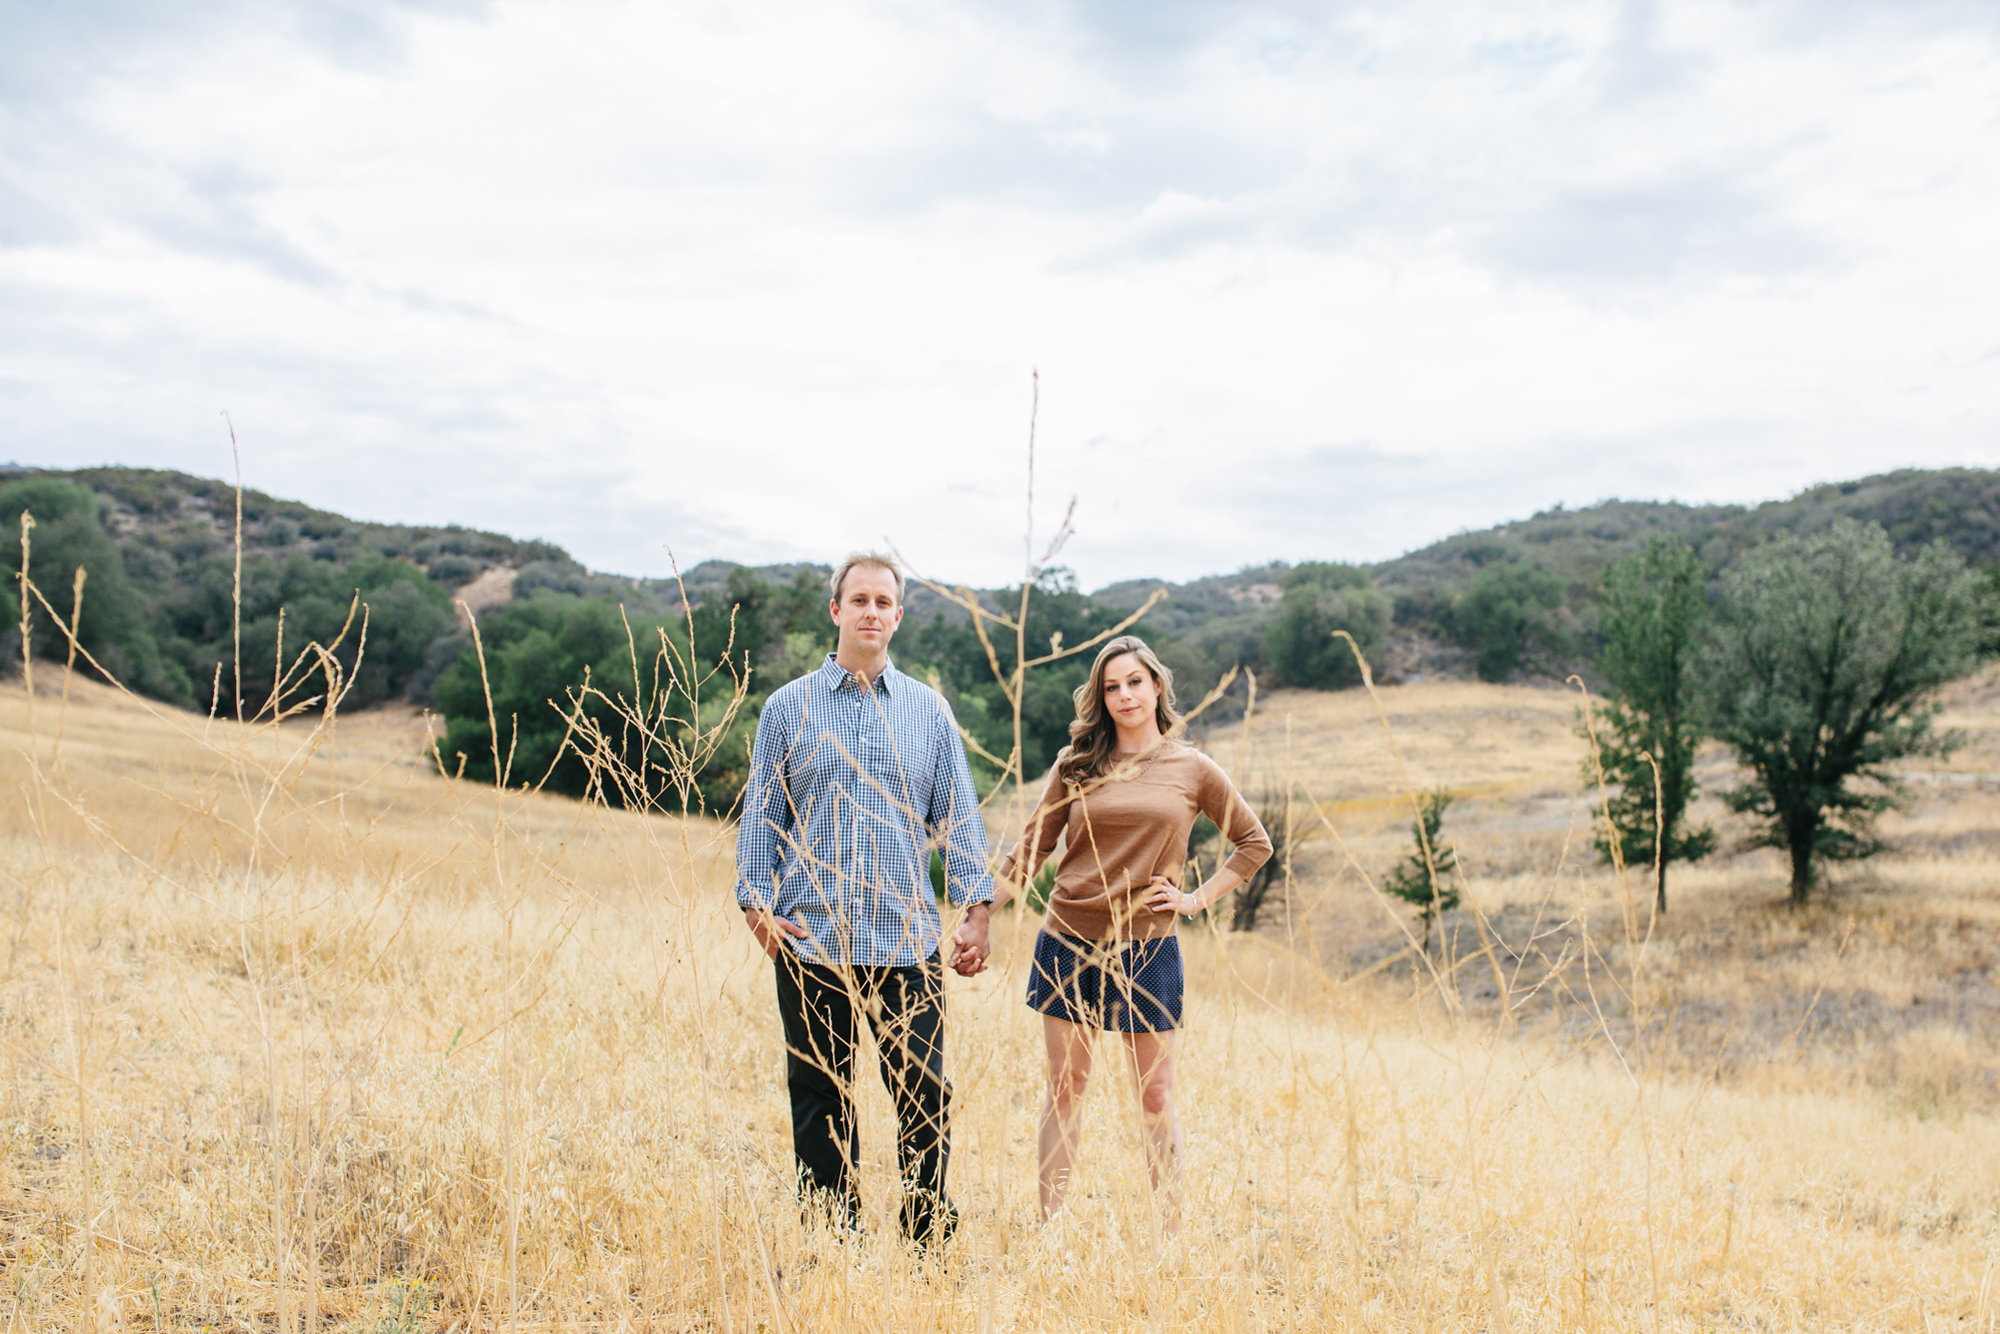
pixel 867 611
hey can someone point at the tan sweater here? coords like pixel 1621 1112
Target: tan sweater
pixel 1124 829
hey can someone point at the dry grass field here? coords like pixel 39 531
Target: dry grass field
pixel 298 1035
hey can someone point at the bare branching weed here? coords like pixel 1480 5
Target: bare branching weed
pixel 303 1032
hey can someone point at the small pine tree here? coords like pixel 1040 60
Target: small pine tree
pixel 1421 877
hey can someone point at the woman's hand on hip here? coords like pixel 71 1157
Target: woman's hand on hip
pixel 1163 895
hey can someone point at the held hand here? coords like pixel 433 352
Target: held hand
pixel 972 942
pixel 1165 896
pixel 771 929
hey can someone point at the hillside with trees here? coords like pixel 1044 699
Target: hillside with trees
pixel 1521 599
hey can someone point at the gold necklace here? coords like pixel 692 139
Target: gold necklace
pixel 1129 769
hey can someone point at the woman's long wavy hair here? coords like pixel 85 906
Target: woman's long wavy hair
pixel 1093 737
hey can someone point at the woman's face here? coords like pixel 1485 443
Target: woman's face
pixel 1131 695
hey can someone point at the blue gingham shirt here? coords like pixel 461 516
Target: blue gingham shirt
pixel 850 790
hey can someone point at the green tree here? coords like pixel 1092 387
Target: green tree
pixel 539 655
pixel 68 535
pixel 536 651
pixel 1989 612
pixel 743 621
pixel 1651 613
pixel 1048 704
pixel 799 632
pixel 1421 877
pixel 1510 609
pixel 406 612
pixel 1821 672
pixel 1319 599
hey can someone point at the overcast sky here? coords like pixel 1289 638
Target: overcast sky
pixel 766 281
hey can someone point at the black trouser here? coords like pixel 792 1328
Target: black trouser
pixel 905 1009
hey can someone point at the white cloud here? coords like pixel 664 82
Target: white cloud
pixel 765 282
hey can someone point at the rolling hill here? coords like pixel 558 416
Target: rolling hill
pixel 173 535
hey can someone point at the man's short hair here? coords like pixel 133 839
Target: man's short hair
pixel 880 559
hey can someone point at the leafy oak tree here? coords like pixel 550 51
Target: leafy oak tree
pixel 1821 673
pixel 67 536
pixel 1320 598
pixel 1510 610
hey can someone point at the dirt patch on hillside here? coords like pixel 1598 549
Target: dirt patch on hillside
pixel 493 588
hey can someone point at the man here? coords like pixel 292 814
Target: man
pixel 856 775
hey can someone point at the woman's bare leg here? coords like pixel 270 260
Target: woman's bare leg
pixel 1062 1113
pixel 1153 1074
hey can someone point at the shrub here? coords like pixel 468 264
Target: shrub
pixel 1510 611
pixel 1300 644
pixel 68 535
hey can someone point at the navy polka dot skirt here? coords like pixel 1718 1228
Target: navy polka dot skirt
pixel 1133 986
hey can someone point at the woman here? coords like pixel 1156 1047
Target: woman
pixel 1124 795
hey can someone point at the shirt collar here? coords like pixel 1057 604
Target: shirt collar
pixel 838 677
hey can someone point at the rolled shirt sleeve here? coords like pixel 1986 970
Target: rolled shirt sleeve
pixel 1223 804
pixel 766 819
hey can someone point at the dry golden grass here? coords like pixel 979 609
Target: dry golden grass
pixel 296 1030
pixel 1466 735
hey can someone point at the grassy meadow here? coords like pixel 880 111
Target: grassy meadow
pixel 299 1035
